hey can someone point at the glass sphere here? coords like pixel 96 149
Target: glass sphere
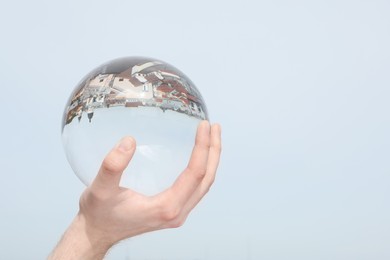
pixel 145 98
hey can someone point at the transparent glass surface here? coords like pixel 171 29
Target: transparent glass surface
pixel 145 98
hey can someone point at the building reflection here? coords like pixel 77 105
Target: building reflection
pixel 150 84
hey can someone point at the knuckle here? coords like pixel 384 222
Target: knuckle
pixel 176 223
pixel 110 165
pixel 198 172
pixel 93 198
pixel 207 144
pixel 203 146
pixel 170 214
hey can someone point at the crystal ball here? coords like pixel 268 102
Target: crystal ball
pixel 145 98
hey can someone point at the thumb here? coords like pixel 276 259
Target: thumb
pixel 114 164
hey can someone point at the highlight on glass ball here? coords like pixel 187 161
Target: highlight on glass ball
pixel 145 98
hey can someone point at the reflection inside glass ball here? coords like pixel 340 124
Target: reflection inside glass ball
pixel 145 98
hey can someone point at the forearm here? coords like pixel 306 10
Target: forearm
pixel 78 243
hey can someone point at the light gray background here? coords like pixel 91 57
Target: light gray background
pixel 301 89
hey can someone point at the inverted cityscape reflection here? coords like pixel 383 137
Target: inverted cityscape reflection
pixel 145 98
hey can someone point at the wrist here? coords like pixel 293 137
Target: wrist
pixel 81 242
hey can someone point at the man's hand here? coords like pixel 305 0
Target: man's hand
pixel 109 213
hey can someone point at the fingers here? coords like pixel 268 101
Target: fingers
pixel 212 165
pixel 192 176
pixel 113 165
pixel 196 180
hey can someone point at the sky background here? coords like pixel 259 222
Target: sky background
pixel 301 89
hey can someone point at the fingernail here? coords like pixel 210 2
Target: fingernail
pixel 126 144
pixel 206 125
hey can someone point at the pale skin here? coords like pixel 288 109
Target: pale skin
pixel 110 213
